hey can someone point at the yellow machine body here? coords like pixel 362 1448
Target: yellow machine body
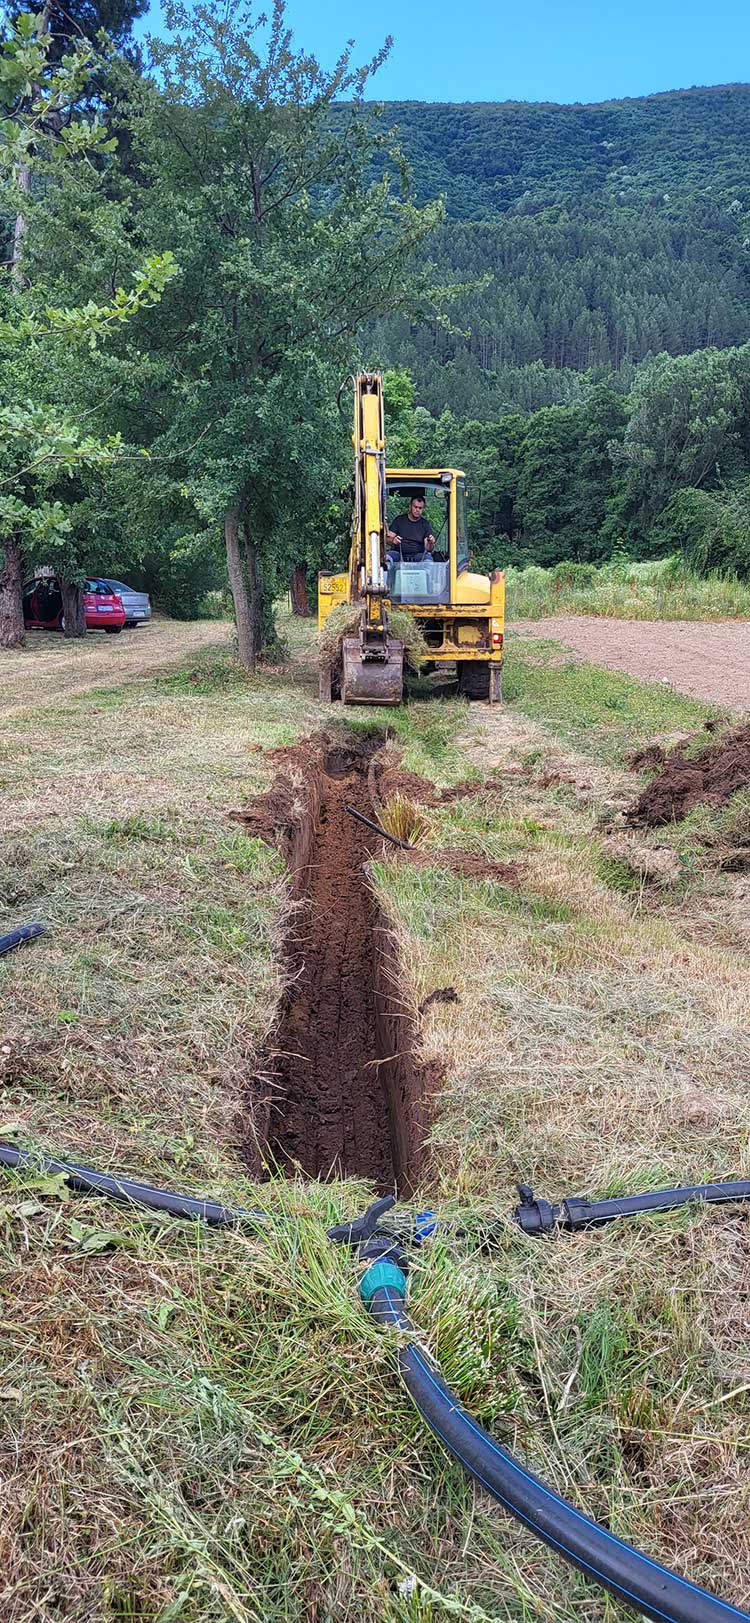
pixel 461 614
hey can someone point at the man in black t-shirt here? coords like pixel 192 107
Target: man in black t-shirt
pixel 410 537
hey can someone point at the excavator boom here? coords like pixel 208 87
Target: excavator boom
pixel 373 661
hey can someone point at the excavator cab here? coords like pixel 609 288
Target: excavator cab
pixel 426 580
pixel 461 614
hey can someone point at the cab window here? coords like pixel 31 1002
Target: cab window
pixel 462 530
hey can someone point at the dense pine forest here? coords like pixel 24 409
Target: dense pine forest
pixel 587 238
pixel 590 369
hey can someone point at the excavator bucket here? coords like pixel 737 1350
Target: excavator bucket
pixel 372 681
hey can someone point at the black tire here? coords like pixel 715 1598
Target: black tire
pixel 474 679
pixel 113 631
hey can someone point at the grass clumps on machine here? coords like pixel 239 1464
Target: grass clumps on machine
pixel 344 621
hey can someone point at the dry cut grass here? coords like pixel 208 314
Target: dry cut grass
pixel 601 1045
pixel 202 1426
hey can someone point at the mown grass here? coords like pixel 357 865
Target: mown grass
pixel 203 1426
pixel 662 589
pixel 604 712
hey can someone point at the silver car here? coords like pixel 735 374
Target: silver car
pixel 137 605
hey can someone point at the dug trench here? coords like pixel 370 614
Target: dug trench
pixel 339 1091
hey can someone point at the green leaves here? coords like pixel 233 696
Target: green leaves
pixel 91 1241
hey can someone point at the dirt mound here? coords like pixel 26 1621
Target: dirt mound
pixel 708 779
pixel 387 780
pixel 390 779
pixel 340 1092
pixel 469 864
pixel 441 994
pixel 649 759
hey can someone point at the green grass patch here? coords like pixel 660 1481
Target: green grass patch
pixel 660 589
pixel 604 712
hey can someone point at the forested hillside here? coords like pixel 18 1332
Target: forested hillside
pixel 587 237
pixel 572 328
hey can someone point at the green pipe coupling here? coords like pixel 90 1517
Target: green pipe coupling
pixel 382 1276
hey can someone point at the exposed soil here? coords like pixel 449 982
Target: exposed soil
pixel 707 659
pixel 341 1093
pixel 469 864
pixel 441 994
pixel 708 779
pixel 387 779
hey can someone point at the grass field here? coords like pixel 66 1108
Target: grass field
pixel 662 589
pixel 203 1426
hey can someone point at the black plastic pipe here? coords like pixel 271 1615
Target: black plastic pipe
pixel 128 1189
pixel 577 1212
pixel 632 1577
pixel 25 932
pixel 376 828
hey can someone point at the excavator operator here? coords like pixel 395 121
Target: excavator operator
pixel 410 538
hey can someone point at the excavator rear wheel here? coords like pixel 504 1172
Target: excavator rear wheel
pixel 474 679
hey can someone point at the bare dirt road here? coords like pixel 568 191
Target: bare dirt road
pixel 50 664
pixel 708 660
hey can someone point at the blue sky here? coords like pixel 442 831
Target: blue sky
pixel 535 50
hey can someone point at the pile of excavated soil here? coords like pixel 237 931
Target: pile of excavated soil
pixel 707 779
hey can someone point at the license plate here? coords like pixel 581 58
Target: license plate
pixel 104 608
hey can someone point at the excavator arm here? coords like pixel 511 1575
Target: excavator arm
pixel 373 661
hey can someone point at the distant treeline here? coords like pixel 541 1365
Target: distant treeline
pixel 663 469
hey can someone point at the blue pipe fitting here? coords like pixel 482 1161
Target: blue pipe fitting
pixel 379 1276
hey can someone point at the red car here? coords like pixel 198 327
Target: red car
pixel 43 608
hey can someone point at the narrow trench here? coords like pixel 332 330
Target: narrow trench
pixel 341 1093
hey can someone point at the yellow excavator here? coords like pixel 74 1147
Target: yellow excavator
pixel 461 615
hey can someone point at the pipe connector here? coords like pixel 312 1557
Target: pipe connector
pixel 382 1275
pixel 535 1216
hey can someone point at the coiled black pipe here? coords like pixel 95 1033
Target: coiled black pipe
pixel 25 932
pixel 537 1216
pixel 128 1189
pixel 634 1578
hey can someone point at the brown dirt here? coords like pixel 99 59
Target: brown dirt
pixel 341 1093
pixel 469 864
pixel 709 779
pixel 649 759
pixel 708 660
pixel 389 779
pixel 441 994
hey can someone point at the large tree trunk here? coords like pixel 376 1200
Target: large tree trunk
pixel 73 609
pixel 241 587
pixel 11 605
pixel 255 583
pixel 23 172
pixel 298 592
